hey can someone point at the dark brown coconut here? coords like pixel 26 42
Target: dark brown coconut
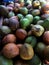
pixel 10 50
pixel 10 38
pixel 46 37
pixel 21 34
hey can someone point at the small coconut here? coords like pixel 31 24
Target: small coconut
pixel 10 38
pixel 21 34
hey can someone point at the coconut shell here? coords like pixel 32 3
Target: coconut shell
pixel 10 50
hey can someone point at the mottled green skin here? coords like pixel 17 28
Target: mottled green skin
pixel 30 17
pixel 45 24
pixel 11 14
pixel 5 61
pixel 24 23
pixel 5 30
pixel 36 19
pixel 20 16
pixel 31 40
pixel 40 48
pixel 35 61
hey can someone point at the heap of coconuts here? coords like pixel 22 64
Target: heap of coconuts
pixel 24 32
